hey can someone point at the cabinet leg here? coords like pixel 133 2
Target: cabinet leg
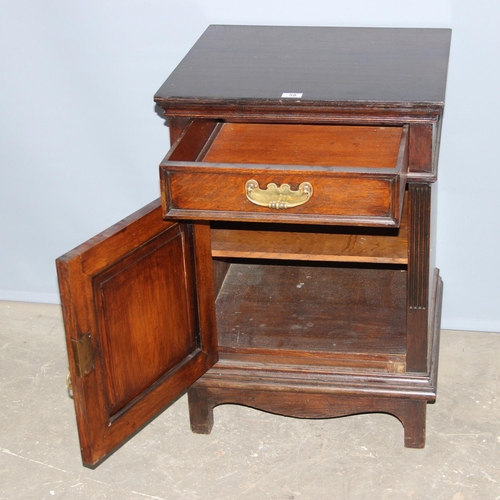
pixel 201 412
pixel 413 419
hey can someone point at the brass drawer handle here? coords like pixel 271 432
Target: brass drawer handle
pixel 278 197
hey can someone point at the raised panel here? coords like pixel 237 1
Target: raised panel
pixel 140 339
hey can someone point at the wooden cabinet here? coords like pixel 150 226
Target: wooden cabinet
pixel 289 265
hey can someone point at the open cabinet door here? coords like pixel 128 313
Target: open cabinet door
pixel 139 316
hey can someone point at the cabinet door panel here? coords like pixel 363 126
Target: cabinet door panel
pixel 139 331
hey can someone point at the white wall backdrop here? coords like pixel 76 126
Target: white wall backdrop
pixel 80 141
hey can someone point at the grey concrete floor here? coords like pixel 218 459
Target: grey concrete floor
pixel 250 454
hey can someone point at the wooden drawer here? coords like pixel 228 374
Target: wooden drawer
pixel 352 175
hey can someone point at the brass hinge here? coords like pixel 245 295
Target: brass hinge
pixel 83 354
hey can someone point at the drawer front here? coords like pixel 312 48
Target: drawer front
pixel 355 195
pixel 336 198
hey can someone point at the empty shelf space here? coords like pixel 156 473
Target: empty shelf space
pixel 322 309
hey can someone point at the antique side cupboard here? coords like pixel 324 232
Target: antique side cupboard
pixel 289 265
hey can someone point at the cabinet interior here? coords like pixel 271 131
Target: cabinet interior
pixel 311 295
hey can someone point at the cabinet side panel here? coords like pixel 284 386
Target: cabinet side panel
pixel 176 125
pixel 421 140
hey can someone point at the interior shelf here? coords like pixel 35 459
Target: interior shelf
pixel 346 315
pixel 318 243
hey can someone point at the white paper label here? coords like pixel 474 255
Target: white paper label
pixel 293 95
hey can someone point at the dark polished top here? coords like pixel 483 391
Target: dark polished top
pixel 397 66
